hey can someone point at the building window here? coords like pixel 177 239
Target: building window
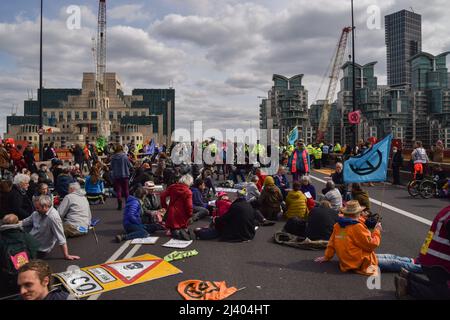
pixel 119 115
pixel 69 116
pixel 85 115
pixel 77 115
pixel 94 115
pixel 135 113
pixel 111 115
pixel 127 113
pixel 143 113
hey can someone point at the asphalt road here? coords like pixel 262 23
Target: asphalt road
pixel 266 270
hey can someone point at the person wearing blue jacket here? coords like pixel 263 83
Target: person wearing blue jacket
pixel 63 181
pixel 94 186
pixel 132 218
pixel 281 181
pixel 201 208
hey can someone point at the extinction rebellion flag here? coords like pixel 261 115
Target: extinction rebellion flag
pixel 371 166
pixel 293 136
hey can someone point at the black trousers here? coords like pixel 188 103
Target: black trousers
pixel 433 287
pixel 396 174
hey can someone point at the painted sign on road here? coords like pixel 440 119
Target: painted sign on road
pixel 115 275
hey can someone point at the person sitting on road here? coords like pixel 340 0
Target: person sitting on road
pixel 180 207
pixel 43 190
pixel 94 186
pixel 47 227
pixel 353 243
pixel 333 195
pixel 5 189
pixel 270 200
pixel 321 221
pixel 153 211
pixel 43 175
pixel 261 179
pixel 132 218
pixel 434 262
pixel 16 248
pixel 18 201
pixel 281 181
pixel 360 195
pixel 35 282
pixel 75 212
pixel 253 192
pixel 338 179
pixel 308 187
pixel 201 208
pixel 237 225
pixel 63 181
pixel 223 204
pixel 143 174
pixel 296 203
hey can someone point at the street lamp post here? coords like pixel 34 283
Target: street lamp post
pixel 41 125
pixel 355 139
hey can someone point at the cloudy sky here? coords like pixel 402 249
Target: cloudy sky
pixel 219 55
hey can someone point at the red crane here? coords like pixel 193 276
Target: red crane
pixel 334 78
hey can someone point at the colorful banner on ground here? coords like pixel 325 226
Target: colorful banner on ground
pixel 177 255
pixel 205 290
pixel 371 166
pixel 115 275
pixel 293 136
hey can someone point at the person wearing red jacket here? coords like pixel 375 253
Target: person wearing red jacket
pixel 434 259
pixel 180 208
pixel 261 177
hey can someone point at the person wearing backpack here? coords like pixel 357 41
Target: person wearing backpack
pixel 16 249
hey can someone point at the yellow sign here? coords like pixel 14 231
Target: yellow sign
pixel 115 275
pixel 427 242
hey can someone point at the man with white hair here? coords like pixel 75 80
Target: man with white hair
pixel 47 228
pixel 333 196
pixel 18 201
pixel 75 212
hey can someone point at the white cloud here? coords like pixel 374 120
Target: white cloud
pixel 129 13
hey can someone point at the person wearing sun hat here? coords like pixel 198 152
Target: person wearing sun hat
pixel 353 243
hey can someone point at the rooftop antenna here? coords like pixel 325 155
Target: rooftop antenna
pixel 412 9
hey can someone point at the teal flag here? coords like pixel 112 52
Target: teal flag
pixel 293 136
pixel 371 166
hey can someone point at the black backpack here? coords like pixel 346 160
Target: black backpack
pixel 14 254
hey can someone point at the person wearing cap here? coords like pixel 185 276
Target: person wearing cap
pixel 353 243
pixel 153 211
pixel 223 204
pixel 299 162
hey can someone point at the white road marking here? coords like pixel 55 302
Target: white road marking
pixel 133 251
pixel 114 258
pixel 392 208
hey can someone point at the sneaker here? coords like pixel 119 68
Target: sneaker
pixel 401 285
pixel 119 238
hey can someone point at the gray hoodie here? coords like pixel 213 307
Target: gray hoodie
pixel 75 210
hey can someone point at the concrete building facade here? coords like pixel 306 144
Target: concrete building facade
pixel 72 116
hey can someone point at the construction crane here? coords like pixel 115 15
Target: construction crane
pixel 99 52
pixel 334 78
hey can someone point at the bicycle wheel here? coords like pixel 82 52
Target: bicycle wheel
pixel 413 188
pixel 427 189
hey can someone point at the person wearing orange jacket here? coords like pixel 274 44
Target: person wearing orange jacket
pixel 353 243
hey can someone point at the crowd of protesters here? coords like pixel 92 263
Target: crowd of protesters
pixel 42 205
